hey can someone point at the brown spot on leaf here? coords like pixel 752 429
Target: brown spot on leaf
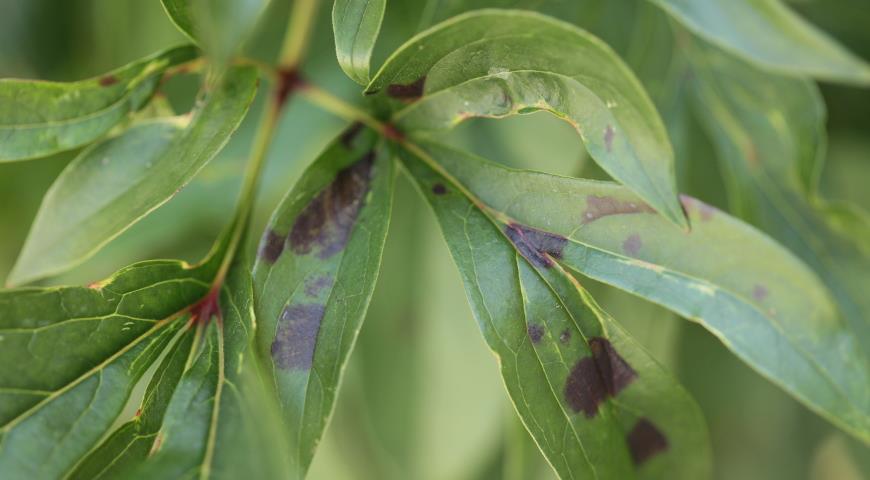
pixel 296 337
pixel 705 212
pixel 271 246
pixel 314 287
pixel 536 332
pixel 594 378
pixel 327 221
pixel 632 244
pixel 645 441
pixel 350 134
pixel 759 293
pixel 565 336
pixel 599 206
pixel 537 246
pixel 608 138
pixel 108 80
pixel 408 92
pixel 439 189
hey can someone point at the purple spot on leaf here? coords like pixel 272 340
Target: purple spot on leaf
pixel 645 441
pixel 537 246
pixel 632 244
pixel 536 332
pixel 296 336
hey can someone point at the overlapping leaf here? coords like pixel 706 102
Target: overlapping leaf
pixel 314 276
pixel 495 63
pixel 356 24
pixel 596 403
pixel 39 118
pixel 771 35
pixel 113 184
pixel 763 303
pixel 769 132
pixel 85 348
pixel 220 26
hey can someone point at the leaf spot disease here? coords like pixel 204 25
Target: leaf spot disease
pixel 759 293
pixel 599 206
pixel 314 287
pixel 408 92
pixel 536 332
pixel 439 189
pixel 108 80
pixel 645 441
pixel 537 246
pixel 595 378
pixel 271 246
pixel 609 133
pixel 326 222
pixel 565 336
pixel 632 244
pixel 296 337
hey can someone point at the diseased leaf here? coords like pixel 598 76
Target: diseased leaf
pixel 771 35
pixel 769 132
pixel 763 303
pixel 113 184
pixel 39 118
pixel 595 402
pixel 315 272
pixel 356 24
pixel 85 348
pixel 496 63
pixel 220 26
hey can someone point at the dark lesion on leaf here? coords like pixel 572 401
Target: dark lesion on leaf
pixel 598 206
pixel 314 287
pixel 408 92
pixel 536 332
pixel 537 246
pixel 108 80
pixel 296 336
pixel 644 441
pixel 632 244
pixel 565 336
pixel 609 133
pixel 325 224
pixel 439 189
pixel 595 378
pixel 271 246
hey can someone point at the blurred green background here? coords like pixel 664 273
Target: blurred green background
pixel 422 397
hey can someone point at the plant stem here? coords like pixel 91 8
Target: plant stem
pixel 298 33
pixel 340 108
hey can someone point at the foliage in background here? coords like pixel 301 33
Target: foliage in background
pixel 227 364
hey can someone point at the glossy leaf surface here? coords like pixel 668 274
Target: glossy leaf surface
pixel 762 302
pixel 356 24
pixel 496 63
pixel 771 35
pixel 113 184
pixel 595 402
pixel 39 118
pixel 315 272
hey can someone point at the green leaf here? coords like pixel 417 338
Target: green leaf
pixel 314 276
pixel 113 184
pixel 770 135
pixel 763 303
pixel 771 35
pixel 39 118
pixel 83 349
pixel 356 24
pixel 596 403
pixel 496 63
pixel 220 26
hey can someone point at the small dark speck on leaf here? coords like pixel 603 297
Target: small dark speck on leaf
pixel 759 293
pixel 439 189
pixel 705 212
pixel 598 206
pixel 271 246
pixel 108 80
pixel 327 221
pixel 608 138
pixel 296 336
pixel 411 91
pixel 565 336
pixel 645 441
pixel 594 378
pixel 536 332
pixel 537 246
pixel 350 134
pixel 632 244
